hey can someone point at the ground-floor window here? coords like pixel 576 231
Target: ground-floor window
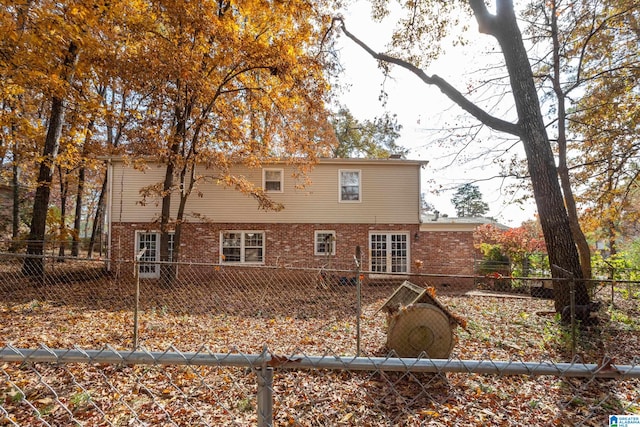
pixel 242 246
pixel 148 266
pixel 325 242
pixel 389 252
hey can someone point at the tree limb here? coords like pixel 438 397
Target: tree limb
pixel 446 88
pixel 486 21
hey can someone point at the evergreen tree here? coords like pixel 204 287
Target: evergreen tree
pixel 468 201
pixel 367 139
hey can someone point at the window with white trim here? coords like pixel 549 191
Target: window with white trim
pixel 273 180
pixel 389 252
pixel 325 242
pixel 242 247
pixel 350 185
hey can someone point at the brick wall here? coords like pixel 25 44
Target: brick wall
pixel 447 253
pixel 441 252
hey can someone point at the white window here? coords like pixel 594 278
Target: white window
pixel 273 180
pixel 149 266
pixel 325 242
pixel 389 252
pixel 242 247
pixel 350 185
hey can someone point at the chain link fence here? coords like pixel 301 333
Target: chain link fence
pixel 199 349
pixel 502 275
pixel 111 387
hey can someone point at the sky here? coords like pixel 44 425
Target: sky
pixel 421 109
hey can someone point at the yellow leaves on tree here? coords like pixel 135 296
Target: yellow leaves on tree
pixel 244 77
pixel 209 82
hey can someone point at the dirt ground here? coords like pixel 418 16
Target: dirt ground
pixel 232 316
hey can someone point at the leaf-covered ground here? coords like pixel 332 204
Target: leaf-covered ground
pixel 306 321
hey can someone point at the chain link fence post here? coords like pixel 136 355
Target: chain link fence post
pixel 265 396
pixel 612 276
pixel 136 307
pixel 356 259
pixel 572 302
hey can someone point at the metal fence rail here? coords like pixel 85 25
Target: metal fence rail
pixel 111 387
pixel 266 359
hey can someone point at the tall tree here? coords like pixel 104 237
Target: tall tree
pixel 47 52
pixel 467 201
pixel 582 44
pixel 118 101
pixel 369 138
pixel 562 92
pixel 606 118
pixel 35 246
pixel 77 219
pixel 227 83
pixel 22 104
pixel 529 127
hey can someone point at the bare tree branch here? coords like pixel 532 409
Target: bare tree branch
pixel 446 88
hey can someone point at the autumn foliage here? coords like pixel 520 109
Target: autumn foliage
pixel 515 244
pixel 207 82
pixel 519 240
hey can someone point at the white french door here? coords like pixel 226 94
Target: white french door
pixel 148 268
pixel 389 252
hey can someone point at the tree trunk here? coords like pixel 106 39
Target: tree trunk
pixel 77 220
pixel 98 219
pixel 184 195
pixel 35 245
pixel 611 233
pixel 584 251
pixel 34 265
pixel 62 235
pixel 167 272
pixel 540 159
pixel 167 268
pixel 15 215
pixel 113 139
pixel 530 128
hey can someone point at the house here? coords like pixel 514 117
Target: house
pixel 373 204
pixel 451 246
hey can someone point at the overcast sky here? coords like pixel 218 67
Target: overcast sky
pixel 421 109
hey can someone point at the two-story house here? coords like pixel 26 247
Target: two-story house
pixel 373 204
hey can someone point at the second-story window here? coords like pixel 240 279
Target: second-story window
pixel 272 180
pixel 350 186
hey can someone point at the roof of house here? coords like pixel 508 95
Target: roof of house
pixel 328 160
pixel 430 221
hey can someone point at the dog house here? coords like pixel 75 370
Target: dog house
pixel 418 324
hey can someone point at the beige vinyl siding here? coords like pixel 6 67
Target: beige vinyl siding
pixel 390 194
pixel 126 203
